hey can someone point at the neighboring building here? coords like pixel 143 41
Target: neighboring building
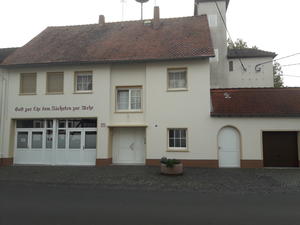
pixel 255 75
pixel 133 92
pixel 233 68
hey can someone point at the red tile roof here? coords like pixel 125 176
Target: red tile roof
pixel 256 102
pixel 4 52
pixel 177 38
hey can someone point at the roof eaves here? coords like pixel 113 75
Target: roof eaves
pixel 103 62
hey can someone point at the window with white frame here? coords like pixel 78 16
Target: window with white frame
pixel 177 79
pixel 213 20
pixel 129 99
pixel 177 138
pixel 83 81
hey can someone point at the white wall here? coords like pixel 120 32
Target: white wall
pixel 162 109
pixel 218 77
pixel 239 78
pixel 180 109
pixel 123 75
pixel 98 99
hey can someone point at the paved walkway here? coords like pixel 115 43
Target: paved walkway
pixel 149 179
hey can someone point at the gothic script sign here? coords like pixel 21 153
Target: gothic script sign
pixel 54 108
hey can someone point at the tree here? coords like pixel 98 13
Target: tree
pixel 238 44
pixel 277 74
pixel 277 70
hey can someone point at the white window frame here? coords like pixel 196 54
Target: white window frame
pixel 87 73
pixel 183 149
pixel 129 98
pixel 213 20
pixel 177 70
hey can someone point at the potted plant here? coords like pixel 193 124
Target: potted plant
pixel 171 166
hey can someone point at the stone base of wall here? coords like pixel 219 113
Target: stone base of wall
pixel 103 162
pixel 188 163
pixel 252 163
pixel 6 162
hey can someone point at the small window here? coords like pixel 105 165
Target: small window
pixel 177 139
pixel 83 82
pixel 55 83
pixel 230 66
pixel 129 99
pixel 177 79
pixel 213 20
pixel 28 83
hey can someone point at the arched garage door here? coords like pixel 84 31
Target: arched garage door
pixel 280 149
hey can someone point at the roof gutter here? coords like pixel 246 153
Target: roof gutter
pixel 102 62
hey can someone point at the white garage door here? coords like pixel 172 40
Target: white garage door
pixel 56 142
pixel 129 146
pixel 229 147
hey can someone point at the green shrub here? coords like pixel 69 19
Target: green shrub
pixel 169 162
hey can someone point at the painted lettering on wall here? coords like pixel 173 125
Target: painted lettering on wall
pixel 54 108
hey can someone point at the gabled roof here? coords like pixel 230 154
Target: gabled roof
pixel 5 52
pixel 256 102
pixel 249 53
pixel 177 38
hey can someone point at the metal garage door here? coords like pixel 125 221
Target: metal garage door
pixel 280 149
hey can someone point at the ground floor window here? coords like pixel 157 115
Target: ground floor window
pixel 177 139
pixel 49 134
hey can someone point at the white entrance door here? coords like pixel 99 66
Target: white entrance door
pixel 129 146
pixel 229 148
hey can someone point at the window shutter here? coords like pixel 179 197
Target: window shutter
pixel 28 83
pixel 55 82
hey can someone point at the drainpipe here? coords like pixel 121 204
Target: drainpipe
pixel 2 116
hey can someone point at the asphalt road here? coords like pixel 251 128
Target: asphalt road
pixel 44 204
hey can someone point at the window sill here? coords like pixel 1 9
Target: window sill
pixel 129 111
pixel 54 93
pixel 177 89
pixel 26 94
pixel 83 92
pixel 177 150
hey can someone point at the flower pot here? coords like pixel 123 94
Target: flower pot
pixel 177 169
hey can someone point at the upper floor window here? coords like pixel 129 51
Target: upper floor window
pixel 230 66
pixel 129 99
pixel 28 83
pixel 55 82
pixel 83 81
pixel 213 20
pixel 177 79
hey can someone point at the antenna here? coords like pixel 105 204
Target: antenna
pixel 142 2
pixel 123 6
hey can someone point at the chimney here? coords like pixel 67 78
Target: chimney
pixel 101 20
pixel 156 19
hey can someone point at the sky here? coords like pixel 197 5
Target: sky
pixel 270 25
